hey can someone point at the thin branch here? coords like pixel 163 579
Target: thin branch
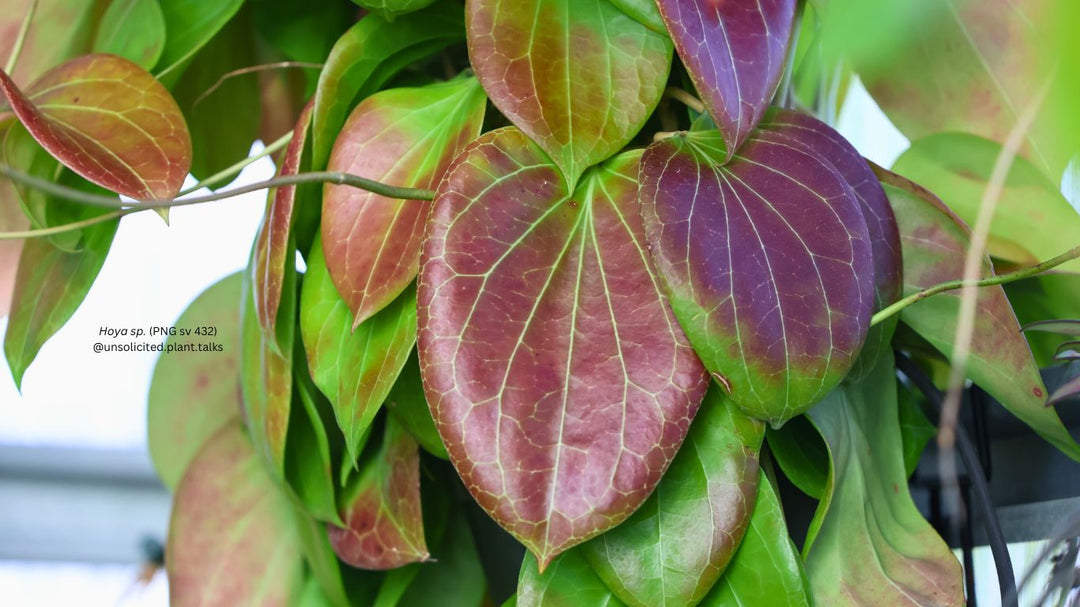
pixel 239 166
pixel 331 177
pixel 251 70
pixel 685 98
pixel 13 58
pixel 951 285
pixel 68 227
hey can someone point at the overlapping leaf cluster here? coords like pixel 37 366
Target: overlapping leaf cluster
pixel 607 310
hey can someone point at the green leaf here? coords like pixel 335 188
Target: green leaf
pixel 189 25
pixel 644 12
pixel 1067 326
pixel 60 30
pixel 407 404
pixel 303 31
pixel 674 548
pixel 1032 221
pixel 309 468
pixel 368 55
pixel 133 29
pixel 767 569
pixel 802 455
pixel 568 581
pixel 325 567
pixel 1047 297
pixel 529 54
pixel 869 545
pixel 935 243
pixel 392 8
pixel 405 137
pixel 232 538
pixel 355 369
pixel 383 517
pixel 108 120
pixel 50 284
pixel 194 396
pixel 915 429
pixel 453 577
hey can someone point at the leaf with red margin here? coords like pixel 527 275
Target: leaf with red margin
pixel 674 548
pixel 734 52
pixel 232 535
pixel 406 137
pixel 530 56
pixel 110 121
pixel 935 242
pixel 384 524
pixel 558 378
pixel 272 250
pixel 767 260
pixel 192 397
pixel 354 369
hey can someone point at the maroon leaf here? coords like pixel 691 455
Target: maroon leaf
pixel 384 525
pixel 272 250
pixel 1070 389
pixel 734 52
pixel 558 379
pixel 110 121
pixel 767 260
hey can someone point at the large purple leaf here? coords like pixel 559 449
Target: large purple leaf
pixel 935 242
pixel 531 56
pixel 767 260
pixel 558 378
pixel 734 52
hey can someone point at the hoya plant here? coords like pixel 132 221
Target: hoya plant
pixel 554 300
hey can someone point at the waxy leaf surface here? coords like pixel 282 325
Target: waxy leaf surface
pixel 384 526
pixel 734 52
pixel 272 250
pixel 800 453
pixel 110 121
pixel 405 137
pixel 393 8
pixel 1032 221
pixel 192 397
pixel 355 369
pixel 189 25
pixel 675 547
pixel 567 582
pixel 579 77
pixel 558 378
pixel 232 536
pixel 767 569
pixel 767 260
pixel 368 55
pixel 872 546
pixel 644 12
pixel 935 242
pixel 134 30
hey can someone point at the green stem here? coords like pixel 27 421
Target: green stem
pixel 239 166
pixel 676 93
pixel 13 58
pixel 985 282
pixel 331 177
pixel 68 227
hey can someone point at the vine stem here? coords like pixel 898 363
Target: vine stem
pixel 13 58
pixel 235 169
pixel 68 227
pixel 253 70
pixel 951 285
pixel 685 98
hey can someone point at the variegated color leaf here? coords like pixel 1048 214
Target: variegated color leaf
pixel 872 546
pixel 935 242
pixel 767 260
pixel 232 536
pixel 272 250
pixel 676 546
pixel 406 137
pixel 110 121
pixel 355 369
pixel 559 380
pixel 734 52
pixel 384 528
pixel 579 77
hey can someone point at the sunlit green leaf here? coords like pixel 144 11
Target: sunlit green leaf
pixel 133 29
pixel 189 25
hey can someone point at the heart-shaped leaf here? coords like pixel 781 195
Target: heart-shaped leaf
pixel 767 260
pixel 935 242
pixel 767 569
pixel 192 397
pixel 676 546
pixel 189 25
pixel 354 369
pixel 134 30
pixel 406 137
pixel 272 250
pixel 530 55
pixel 384 528
pixel 110 121
pixel 559 380
pixel 368 55
pixel 869 545
pixel 567 582
pixel 734 52
pixel 957 167
pixel 232 536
